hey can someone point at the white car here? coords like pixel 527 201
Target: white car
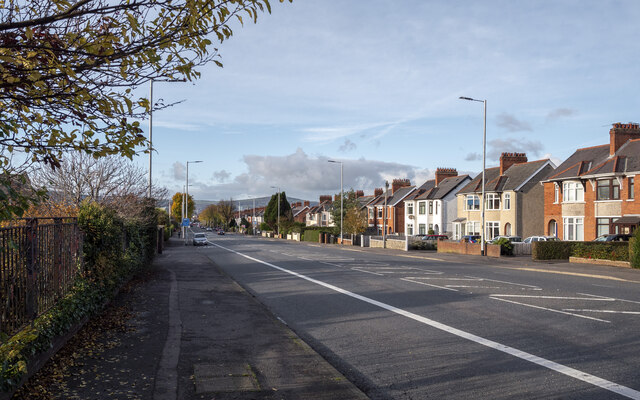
pixel 200 239
pixel 541 239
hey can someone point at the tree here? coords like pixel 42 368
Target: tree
pixel 271 211
pixel 354 219
pixel 210 215
pixel 69 70
pixel 226 208
pixel 177 203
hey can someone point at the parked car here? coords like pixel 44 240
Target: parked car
pixel 531 239
pixel 512 239
pixel 434 237
pixel 615 237
pixel 471 238
pixel 208 229
pixel 200 239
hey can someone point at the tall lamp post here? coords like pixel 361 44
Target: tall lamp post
pixel 384 215
pixel 275 187
pixel 341 199
pixel 484 156
pixel 186 205
pixel 151 125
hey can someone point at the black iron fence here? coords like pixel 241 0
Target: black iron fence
pixel 39 260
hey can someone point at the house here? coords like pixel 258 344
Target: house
pixel 514 203
pixel 592 192
pixel 433 205
pixel 300 210
pixel 320 215
pixel 400 189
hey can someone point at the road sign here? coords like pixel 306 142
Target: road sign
pixel 185 222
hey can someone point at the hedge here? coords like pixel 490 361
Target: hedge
pixel 615 251
pixel 311 235
pixel 552 250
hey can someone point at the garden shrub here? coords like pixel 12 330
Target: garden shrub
pixel 506 247
pixel 616 251
pixel 551 250
pixel 634 249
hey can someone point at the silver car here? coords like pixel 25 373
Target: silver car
pixel 200 239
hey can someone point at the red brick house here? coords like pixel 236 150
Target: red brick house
pixel 400 189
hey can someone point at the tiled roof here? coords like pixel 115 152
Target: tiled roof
pixel 444 188
pixel 394 198
pixel 512 178
pixel 422 189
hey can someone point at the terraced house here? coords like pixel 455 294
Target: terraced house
pixel 433 205
pixel 514 199
pixel 593 192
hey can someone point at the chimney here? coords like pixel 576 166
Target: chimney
pixel 336 197
pixel 508 159
pixel 399 183
pixel 306 203
pixel 377 192
pixel 443 173
pixel 326 197
pixel 620 134
pixel 359 193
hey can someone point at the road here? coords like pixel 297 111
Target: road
pixel 425 325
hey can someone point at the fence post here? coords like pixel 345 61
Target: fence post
pixel 57 254
pixel 31 259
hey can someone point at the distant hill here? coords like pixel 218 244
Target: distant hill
pixel 244 204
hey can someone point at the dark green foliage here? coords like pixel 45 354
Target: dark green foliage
pixel 424 245
pixel 552 250
pixel 265 227
pixel 634 249
pixel 506 247
pixel 311 235
pixel 271 211
pixel 616 251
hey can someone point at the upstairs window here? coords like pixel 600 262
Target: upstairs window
pixel 630 183
pixel 409 208
pixel 493 201
pixel 507 201
pixel 572 192
pixel 421 208
pixel 430 207
pixel 608 189
pixel 472 202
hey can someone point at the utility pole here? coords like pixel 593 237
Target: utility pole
pixel 384 220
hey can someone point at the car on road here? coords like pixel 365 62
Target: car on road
pixel 200 239
pixel 615 237
pixel 221 232
pixel 512 239
pixel 208 229
pixel 532 239
pixel 471 238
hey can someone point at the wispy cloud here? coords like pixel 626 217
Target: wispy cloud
pixel 221 176
pixel 347 146
pixel 561 113
pixel 473 157
pixel 512 124
pixel 176 126
pixel 510 145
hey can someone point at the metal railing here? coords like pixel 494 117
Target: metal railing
pixel 39 260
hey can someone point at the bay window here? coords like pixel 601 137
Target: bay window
pixel 572 192
pixel 573 228
pixel 608 189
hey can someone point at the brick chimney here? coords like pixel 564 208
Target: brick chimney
pixel 336 197
pixel 307 203
pixel 508 159
pixel 326 197
pixel 621 133
pixel 359 193
pixel 377 192
pixel 399 183
pixel 443 173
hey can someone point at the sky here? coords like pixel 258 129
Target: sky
pixel 376 85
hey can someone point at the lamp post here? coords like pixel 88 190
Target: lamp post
pixel 253 219
pixel 484 156
pixel 341 199
pixel 151 125
pixel 275 187
pixel 186 208
pixel 384 215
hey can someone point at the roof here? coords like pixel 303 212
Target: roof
pixel 444 188
pixel 595 161
pixel 394 198
pixel 512 179
pixel 424 188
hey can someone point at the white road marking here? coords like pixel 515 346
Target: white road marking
pixel 553 297
pixel 507 282
pixel 543 362
pixel 603 311
pixel 549 309
pixel 473 287
pixel 368 272
pixel 332 264
pixel 602 297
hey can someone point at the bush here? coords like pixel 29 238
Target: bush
pixel 634 249
pixel 264 227
pixel 615 251
pixel 552 250
pixel 506 247
pixel 423 245
pixel 311 235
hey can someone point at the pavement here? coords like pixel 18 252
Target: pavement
pixel 191 332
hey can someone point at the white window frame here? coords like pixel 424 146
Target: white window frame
pixel 473 228
pixel 572 192
pixel 410 208
pixel 573 228
pixel 472 199
pixel 492 229
pixel 422 208
pixel 410 229
pixel 422 229
pixel 506 201
pixel 491 200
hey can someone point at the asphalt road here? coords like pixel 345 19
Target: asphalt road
pixel 447 326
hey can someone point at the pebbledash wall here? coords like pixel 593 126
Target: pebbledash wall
pixel 391 244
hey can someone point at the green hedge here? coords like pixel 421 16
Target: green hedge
pixel 552 250
pixel 113 249
pixel 634 250
pixel 311 235
pixel 615 251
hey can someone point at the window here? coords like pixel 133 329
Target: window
pixel 437 206
pixel 430 207
pixel 507 229
pixel 472 202
pixel 422 229
pixel 493 201
pixel 572 192
pixel 457 232
pixel 553 228
pixel 608 189
pixel 507 201
pixel 421 208
pixel 573 228
pixel 430 227
pixel 473 228
pixel 380 212
pixel 492 229
pixel 630 183
pixel 409 208
pixel 604 226
pixel 556 193
pixel 410 229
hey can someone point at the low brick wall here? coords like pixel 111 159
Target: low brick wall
pixel 447 246
pixel 580 260
pixel 391 244
pixel 493 250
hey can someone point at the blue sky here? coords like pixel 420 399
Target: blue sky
pixel 375 84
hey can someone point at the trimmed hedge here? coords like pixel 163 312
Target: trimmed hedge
pixel 615 251
pixel 634 250
pixel 311 235
pixel 552 250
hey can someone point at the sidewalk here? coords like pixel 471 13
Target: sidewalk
pixel 187 331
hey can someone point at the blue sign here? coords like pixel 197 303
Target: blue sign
pixel 185 222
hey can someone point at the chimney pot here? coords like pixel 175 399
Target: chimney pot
pixel 620 134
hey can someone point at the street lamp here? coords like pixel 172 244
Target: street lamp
pixel 151 124
pixel 484 156
pixel 341 198
pixel 384 215
pixel 186 208
pixel 275 187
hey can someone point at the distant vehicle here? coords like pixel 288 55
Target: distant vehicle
pixel 434 237
pixel 208 229
pixel 512 239
pixel 615 237
pixel 221 232
pixel 471 238
pixel 200 239
pixel 532 239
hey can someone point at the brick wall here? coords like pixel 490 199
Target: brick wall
pixel 552 211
